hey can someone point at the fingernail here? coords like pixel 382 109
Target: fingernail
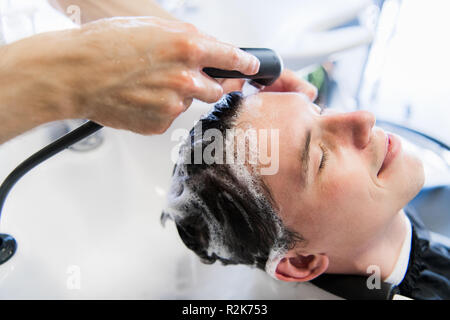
pixel 255 65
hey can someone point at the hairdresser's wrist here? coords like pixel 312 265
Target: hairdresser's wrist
pixel 29 94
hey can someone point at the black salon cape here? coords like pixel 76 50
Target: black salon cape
pixel 428 273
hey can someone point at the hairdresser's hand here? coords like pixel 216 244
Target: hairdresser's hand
pixel 141 73
pixel 287 82
pixel 129 73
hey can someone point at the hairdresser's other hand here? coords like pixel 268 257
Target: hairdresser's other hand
pixel 134 73
pixel 287 82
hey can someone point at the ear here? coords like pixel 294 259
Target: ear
pixel 301 267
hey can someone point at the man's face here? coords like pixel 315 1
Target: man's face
pixel 340 180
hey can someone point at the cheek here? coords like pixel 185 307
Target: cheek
pixel 347 209
pixel 346 188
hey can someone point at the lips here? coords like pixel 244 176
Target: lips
pixel 393 147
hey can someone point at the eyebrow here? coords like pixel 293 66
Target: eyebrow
pixel 305 159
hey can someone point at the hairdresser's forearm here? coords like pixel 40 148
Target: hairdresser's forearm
pixel 96 9
pixel 29 94
pixel 17 113
pixel 14 120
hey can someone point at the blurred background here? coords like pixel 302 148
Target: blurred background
pixel 389 57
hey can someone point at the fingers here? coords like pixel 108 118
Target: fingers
pixel 230 85
pixel 184 43
pixel 206 89
pixel 194 45
pixel 290 82
pixel 142 110
pixel 187 83
pixel 225 56
pixel 151 107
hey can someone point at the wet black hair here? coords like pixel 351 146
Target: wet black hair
pixel 221 209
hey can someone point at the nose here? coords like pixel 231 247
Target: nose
pixel 352 127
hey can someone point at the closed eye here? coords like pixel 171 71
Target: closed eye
pixel 324 157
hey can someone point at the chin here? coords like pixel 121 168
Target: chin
pixel 416 175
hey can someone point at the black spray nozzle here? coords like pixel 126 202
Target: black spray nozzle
pixel 270 68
